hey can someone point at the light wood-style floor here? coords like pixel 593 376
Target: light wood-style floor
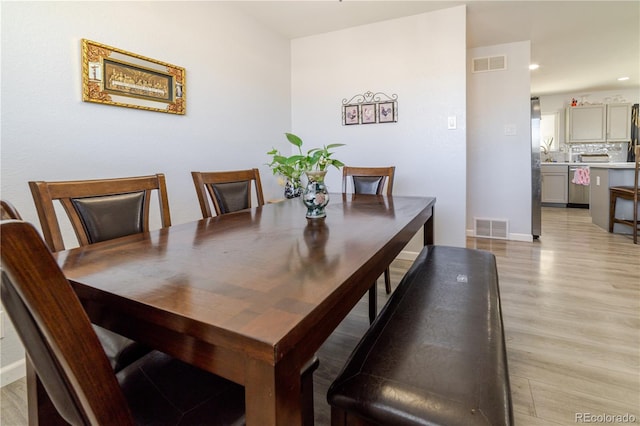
pixel 571 308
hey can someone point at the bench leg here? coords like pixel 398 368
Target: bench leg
pixel 373 302
pixel 342 418
pixel 338 417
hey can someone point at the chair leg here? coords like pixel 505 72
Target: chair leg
pixel 635 222
pixel 307 391
pixel 612 211
pixel 387 280
pixel 373 302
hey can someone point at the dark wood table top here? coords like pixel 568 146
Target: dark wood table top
pixel 251 295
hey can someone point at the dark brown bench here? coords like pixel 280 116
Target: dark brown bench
pixel 436 353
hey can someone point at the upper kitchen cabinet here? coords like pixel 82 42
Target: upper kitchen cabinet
pixel 618 122
pixel 598 123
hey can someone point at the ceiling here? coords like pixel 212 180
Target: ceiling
pixel 581 46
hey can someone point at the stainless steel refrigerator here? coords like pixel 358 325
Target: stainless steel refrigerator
pixel 536 179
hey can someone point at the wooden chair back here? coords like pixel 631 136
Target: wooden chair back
pixel 56 331
pixel 99 209
pixel 8 211
pixel 230 191
pixel 368 180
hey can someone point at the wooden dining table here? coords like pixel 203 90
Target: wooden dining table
pixel 250 296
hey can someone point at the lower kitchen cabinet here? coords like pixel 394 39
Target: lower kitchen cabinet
pixel 555 183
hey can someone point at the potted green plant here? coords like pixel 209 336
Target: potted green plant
pixel 314 165
pixel 291 168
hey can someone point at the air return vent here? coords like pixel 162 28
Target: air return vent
pixel 491 228
pixel 489 63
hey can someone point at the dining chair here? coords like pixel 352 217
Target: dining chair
pixel 370 180
pixel 68 358
pixel 230 191
pixel 8 211
pixel 100 210
pixel 631 193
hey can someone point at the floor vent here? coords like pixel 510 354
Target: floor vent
pixel 491 228
pixel 489 63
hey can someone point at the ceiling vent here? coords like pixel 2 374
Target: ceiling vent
pixel 491 228
pixel 489 63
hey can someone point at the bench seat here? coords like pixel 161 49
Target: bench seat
pixel 436 353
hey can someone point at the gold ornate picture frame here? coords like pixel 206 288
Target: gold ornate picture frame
pixel 116 77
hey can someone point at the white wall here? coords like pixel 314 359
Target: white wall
pixel 499 165
pixel 238 100
pixel 421 59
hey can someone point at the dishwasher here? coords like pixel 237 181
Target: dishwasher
pixel 578 193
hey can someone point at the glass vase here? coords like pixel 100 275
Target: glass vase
pixel 315 195
pixel 292 190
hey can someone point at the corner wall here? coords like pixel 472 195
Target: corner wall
pixel 499 163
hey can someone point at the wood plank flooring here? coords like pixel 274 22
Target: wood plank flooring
pixel 571 307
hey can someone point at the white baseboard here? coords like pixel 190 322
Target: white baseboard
pixel 512 237
pixel 12 372
pixel 521 237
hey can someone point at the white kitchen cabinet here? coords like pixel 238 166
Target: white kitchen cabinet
pixel 587 123
pixel 555 184
pixel 618 122
pixel 598 123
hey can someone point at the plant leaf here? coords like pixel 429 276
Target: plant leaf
pixel 293 159
pixel 294 139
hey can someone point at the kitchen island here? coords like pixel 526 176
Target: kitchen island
pixel 603 176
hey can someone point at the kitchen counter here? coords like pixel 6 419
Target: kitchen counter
pixel 595 165
pixel 602 177
pixel 612 166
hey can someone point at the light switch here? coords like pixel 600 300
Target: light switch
pixel 509 129
pixel 451 122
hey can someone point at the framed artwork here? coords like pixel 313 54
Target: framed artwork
pixel 369 108
pixel 368 113
pixel 113 76
pixel 387 112
pixel 350 114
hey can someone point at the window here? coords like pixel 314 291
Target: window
pixel 549 131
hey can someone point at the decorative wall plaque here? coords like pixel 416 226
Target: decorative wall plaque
pixel 114 76
pixel 369 108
